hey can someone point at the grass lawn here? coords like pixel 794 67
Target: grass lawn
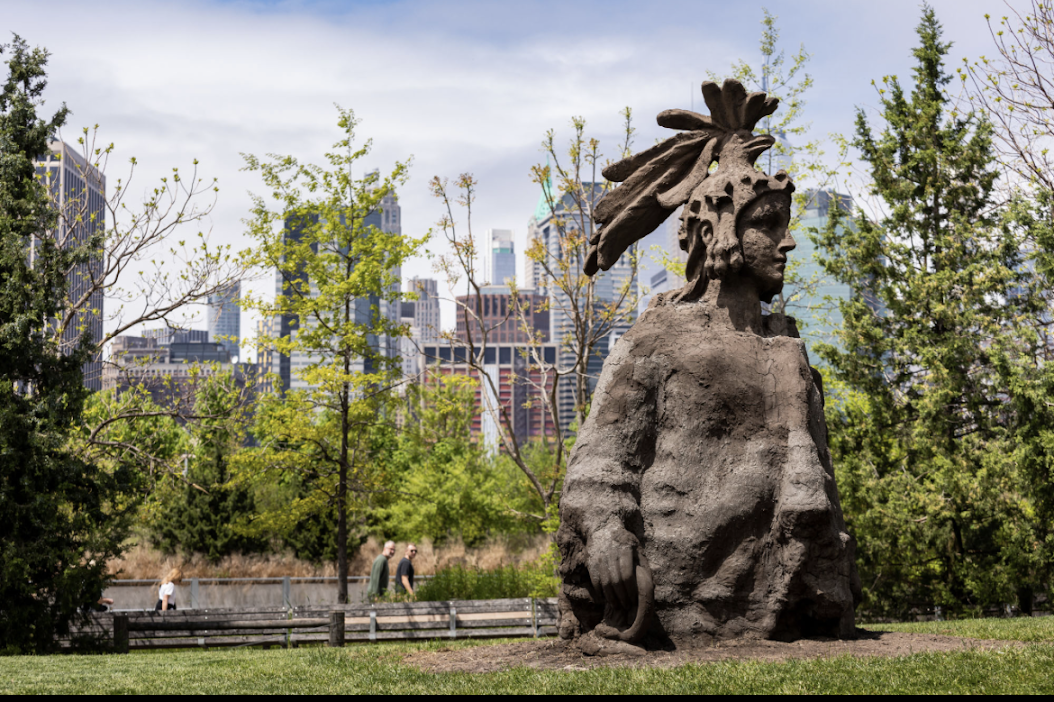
pixel 377 669
pixel 1035 629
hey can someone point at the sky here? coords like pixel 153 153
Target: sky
pixel 459 86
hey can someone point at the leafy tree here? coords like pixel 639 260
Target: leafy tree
pixel 59 515
pixel 444 483
pixel 924 442
pixel 338 272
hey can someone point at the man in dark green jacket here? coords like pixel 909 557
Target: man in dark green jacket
pixel 379 572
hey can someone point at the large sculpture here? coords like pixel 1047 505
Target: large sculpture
pixel 700 500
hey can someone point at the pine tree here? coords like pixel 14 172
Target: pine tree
pixel 201 513
pixel 58 520
pixel 924 438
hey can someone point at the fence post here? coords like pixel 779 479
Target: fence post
pixel 534 616
pixel 453 622
pixel 336 629
pixel 194 594
pixel 373 625
pixel 286 592
pixel 120 633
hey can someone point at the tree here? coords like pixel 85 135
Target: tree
pixel 571 189
pixel 924 441
pixel 201 513
pixel 338 275
pixel 61 517
pixel 444 483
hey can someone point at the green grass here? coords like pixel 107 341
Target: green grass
pixel 378 669
pixel 1033 629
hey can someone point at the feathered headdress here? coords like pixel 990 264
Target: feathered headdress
pixel 657 181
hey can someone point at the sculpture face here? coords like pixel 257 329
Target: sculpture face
pixel 764 235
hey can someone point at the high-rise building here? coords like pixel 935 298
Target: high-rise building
pixel 519 389
pixel 166 336
pixel 503 256
pixel 224 318
pixel 426 309
pixel 78 190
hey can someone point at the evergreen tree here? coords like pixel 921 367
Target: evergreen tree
pixel 200 515
pixel 59 522
pixel 924 440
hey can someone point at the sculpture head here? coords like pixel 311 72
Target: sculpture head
pixel 735 217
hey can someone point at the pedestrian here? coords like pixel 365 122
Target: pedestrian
pixel 379 572
pixel 404 574
pixel 166 593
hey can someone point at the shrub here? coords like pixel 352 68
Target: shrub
pixel 465 583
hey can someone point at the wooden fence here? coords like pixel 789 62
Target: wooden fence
pixel 333 625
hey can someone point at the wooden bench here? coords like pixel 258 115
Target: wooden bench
pixel 331 624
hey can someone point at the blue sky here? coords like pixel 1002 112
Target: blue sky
pixel 462 86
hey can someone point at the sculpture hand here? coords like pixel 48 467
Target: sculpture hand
pixel 612 570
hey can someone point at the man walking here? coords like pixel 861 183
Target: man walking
pixel 404 574
pixel 379 572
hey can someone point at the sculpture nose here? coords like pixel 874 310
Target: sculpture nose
pixel 788 243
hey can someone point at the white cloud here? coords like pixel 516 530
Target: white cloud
pixel 469 86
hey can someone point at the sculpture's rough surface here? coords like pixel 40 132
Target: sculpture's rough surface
pixel 700 499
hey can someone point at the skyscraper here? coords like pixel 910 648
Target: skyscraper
pixel 426 308
pixel 224 318
pixel 78 190
pixel 503 256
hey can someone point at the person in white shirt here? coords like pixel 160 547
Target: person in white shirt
pixel 166 593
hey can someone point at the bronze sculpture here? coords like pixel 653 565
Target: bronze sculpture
pixel 700 499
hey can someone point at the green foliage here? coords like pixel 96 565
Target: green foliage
pixel 443 483
pixel 465 583
pixel 927 435
pixel 196 514
pixel 60 519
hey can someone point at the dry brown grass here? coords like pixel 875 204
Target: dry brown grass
pixel 144 563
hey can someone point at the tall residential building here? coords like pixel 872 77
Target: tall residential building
pixel 78 189
pixel 618 285
pixel 502 256
pixel 287 367
pixel 166 336
pixel 426 309
pixel 224 318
